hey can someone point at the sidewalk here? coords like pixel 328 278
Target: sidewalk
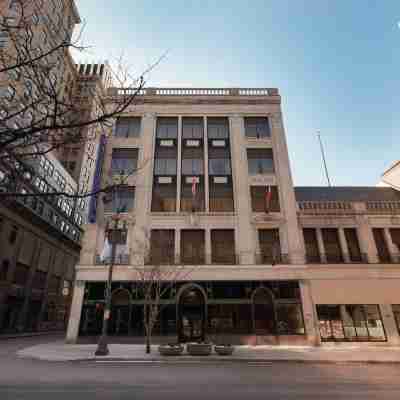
pixel 351 353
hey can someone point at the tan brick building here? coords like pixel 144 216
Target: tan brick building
pixel 269 263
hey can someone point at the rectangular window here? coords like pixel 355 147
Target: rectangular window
pixel 257 127
pixel 164 196
pixel 219 166
pixel 192 128
pixel 162 247
pixel 270 247
pixel 217 128
pixel 128 127
pixel 122 200
pixel 167 128
pixel 124 161
pixel 260 202
pixel 381 245
pixel 311 245
pixel 165 161
pixel 223 246
pixel 333 251
pixel 192 161
pixel 349 322
pixel 192 247
pixel 289 319
pixel 221 195
pixel 192 197
pixel 39 280
pixel 260 161
pixel 353 244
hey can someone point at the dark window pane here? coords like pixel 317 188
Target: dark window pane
pixel 223 246
pixel 383 251
pixel 162 246
pixel 221 196
pixel 192 247
pixel 259 201
pixel 270 247
pixel 333 251
pixel 257 127
pixel 124 161
pixel 311 244
pixel 164 197
pixel 353 244
pixel 260 161
pixel 128 127
pixel 167 128
pixel 290 319
pixel 217 128
pixel 220 166
pixel 122 200
pixel 192 128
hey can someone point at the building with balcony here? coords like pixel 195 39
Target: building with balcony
pixel 267 262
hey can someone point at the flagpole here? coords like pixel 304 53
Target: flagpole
pixel 323 158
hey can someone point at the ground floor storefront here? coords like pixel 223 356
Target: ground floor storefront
pixel 289 312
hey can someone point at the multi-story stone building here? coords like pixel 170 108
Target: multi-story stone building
pixel 267 262
pixel 39 235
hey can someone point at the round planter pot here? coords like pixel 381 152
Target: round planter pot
pixel 170 350
pixel 224 350
pixel 199 349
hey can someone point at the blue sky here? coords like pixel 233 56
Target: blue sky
pixel 336 63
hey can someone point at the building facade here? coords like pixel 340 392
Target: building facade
pixel 39 235
pixel 266 262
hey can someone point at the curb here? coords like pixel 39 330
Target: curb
pixel 29 334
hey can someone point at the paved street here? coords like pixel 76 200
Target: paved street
pixel 30 379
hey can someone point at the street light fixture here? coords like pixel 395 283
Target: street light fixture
pixel 116 231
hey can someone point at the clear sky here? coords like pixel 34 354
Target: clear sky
pixel 336 63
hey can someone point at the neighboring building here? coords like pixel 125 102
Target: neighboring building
pixel 391 177
pixel 39 236
pixel 269 263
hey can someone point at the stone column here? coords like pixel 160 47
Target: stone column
pixel 75 313
pixel 144 181
pixel 321 247
pixel 394 256
pixel 179 166
pixel 206 179
pixel 309 313
pixel 389 324
pixel 244 243
pixel 178 255
pixel 366 238
pixel 208 246
pixel 286 191
pixel 343 246
pixel 28 287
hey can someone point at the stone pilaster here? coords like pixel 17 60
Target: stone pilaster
pixel 244 244
pixel 309 313
pixel 76 311
pixel 391 246
pixel 179 166
pixel 286 191
pixel 389 323
pixel 343 245
pixel 321 247
pixel 206 179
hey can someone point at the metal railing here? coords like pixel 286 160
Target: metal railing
pixel 120 259
pixel 259 92
pixel 325 206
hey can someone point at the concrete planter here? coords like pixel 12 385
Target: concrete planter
pixel 199 349
pixel 224 349
pixel 170 349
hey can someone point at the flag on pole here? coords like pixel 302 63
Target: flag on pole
pixel 268 195
pixel 106 252
pixel 194 187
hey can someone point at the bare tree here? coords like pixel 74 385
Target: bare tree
pixel 41 107
pixel 155 279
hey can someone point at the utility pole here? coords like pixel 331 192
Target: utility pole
pixel 323 159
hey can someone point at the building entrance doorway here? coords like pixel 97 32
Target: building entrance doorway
pixel 264 314
pixel 120 320
pixel 191 315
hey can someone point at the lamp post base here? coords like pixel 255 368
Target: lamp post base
pixel 102 347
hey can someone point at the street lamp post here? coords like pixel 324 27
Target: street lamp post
pixel 116 234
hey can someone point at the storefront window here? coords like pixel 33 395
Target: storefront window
pixel 350 322
pixel 290 319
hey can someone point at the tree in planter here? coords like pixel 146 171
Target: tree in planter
pixel 41 111
pixel 155 278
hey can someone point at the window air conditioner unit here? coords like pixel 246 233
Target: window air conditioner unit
pixel 218 143
pixel 167 143
pixel 220 179
pixel 189 179
pixel 192 143
pixel 164 179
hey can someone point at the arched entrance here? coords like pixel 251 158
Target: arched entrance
pixel 264 314
pixel 120 321
pixel 192 314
